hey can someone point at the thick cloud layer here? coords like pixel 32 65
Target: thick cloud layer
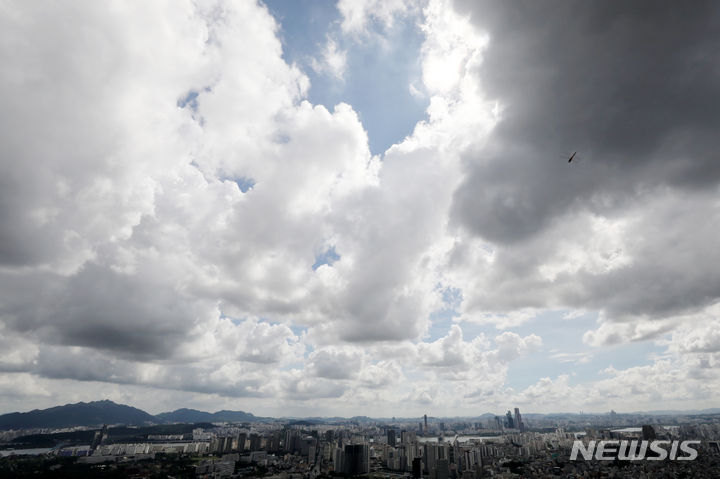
pixel 627 227
pixel 176 216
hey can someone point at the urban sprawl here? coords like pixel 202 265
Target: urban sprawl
pixel 429 448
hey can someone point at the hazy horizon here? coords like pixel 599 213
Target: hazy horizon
pixel 401 418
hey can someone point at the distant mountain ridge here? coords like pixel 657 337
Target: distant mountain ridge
pixel 193 415
pixel 96 413
pixel 78 414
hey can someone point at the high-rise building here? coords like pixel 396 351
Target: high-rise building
pixel 442 470
pixel 425 422
pixel 228 443
pixel 417 468
pixel 312 454
pixel 338 456
pixel 391 437
pixel 241 439
pixel 648 433
pixel 509 420
pixel 305 444
pixel 291 440
pixel 429 457
pixel 221 444
pixel 432 452
pixel 518 420
pixel 356 459
pixel 95 441
pixel 407 437
pixel 99 438
pixel 273 442
pixel 254 442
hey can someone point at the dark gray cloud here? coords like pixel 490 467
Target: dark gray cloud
pixel 627 84
pixel 87 364
pixel 101 308
pixel 626 229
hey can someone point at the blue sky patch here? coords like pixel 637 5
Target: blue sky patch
pixel 244 184
pixel 328 257
pixel 189 100
pixel 378 75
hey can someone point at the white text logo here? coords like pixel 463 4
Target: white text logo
pixel 635 450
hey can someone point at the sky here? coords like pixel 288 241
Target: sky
pixel 360 207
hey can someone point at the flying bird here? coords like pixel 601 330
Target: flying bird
pixel 572 156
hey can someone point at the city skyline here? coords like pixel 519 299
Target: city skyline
pixel 360 206
pixel 611 444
